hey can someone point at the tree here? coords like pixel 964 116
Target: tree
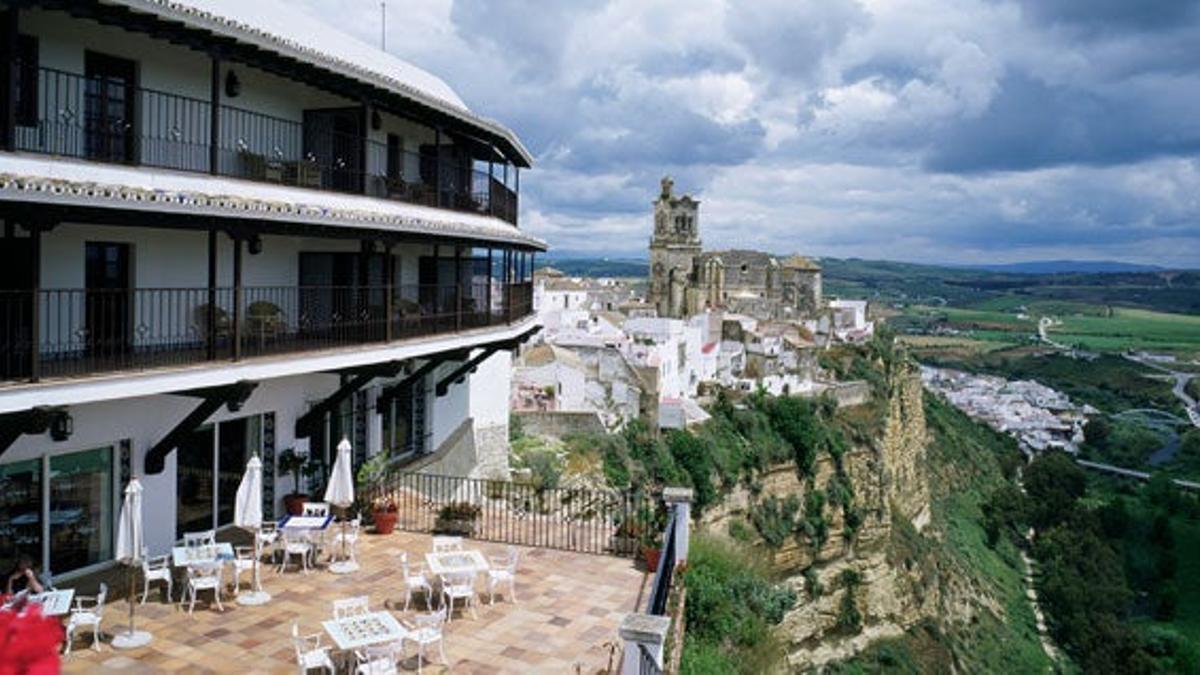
pixel 1054 484
pixel 1096 432
pixel 1005 514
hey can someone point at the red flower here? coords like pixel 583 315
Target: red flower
pixel 29 642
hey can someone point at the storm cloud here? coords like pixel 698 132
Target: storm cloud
pixel 980 130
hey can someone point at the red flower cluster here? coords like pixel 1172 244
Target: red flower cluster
pixel 29 642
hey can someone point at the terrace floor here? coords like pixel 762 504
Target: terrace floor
pixel 569 606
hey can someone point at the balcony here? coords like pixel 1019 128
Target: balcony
pixel 80 332
pixel 108 120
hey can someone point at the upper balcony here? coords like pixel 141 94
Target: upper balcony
pixel 94 81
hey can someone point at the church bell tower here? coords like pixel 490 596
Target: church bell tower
pixel 673 250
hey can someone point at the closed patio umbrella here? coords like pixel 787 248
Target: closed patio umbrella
pixel 247 514
pixel 130 541
pixel 340 493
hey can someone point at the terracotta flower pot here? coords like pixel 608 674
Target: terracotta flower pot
pixel 294 503
pixel 385 521
pixel 651 555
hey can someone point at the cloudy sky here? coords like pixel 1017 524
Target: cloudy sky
pixel 924 130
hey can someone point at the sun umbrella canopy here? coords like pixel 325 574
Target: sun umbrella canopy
pixel 340 491
pixel 247 510
pixel 130 539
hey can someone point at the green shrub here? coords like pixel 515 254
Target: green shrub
pixel 849 616
pixel 775 519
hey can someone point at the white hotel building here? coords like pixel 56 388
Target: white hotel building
pixel 229 229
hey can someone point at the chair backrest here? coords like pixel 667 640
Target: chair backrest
pixel 432 620
pixel 350 606
pixel 514 556
pixel 299 643
pixel 204 571
pixel 100 598
pixel 194 539
pixel 443 544
pixel 461 582
pixel 268 528
pixel 404 563
pixel 316 509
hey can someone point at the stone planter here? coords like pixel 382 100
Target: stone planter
pixel 455 526
pixel 651 555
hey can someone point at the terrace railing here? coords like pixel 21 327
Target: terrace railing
pixel 72 332
pixel 108 120
pixel 574 519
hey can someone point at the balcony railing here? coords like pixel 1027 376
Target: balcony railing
pixel 77 332
pixel 106 120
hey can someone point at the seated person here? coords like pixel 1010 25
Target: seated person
pixel 23 578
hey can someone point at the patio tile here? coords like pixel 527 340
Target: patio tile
pixel 567 612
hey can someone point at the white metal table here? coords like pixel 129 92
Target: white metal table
pixel 364 630
pixel 53 603
pixel 457 562
pixel 182 556
pixel 306 522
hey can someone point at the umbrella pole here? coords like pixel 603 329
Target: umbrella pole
pixel 132 588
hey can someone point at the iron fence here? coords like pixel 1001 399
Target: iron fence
pixel 647 664
pixel 111 120
pixel 72 331
pixel 583 520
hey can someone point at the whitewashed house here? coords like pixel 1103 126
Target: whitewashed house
pixel 229 229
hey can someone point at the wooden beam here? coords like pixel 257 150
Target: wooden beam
pixel 309 423
pixel 237 298
pixel 214 122
pixel 233 396
pixel 426 368
pixel 35 421
pixel 460 373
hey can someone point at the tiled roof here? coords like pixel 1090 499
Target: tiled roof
pixel 283 29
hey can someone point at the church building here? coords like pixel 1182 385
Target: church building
pixel 685 280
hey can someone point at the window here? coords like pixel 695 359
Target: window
pixel 209 464
pixel 81 509
pixel 77 490
pixel 20 512
pixel 27 81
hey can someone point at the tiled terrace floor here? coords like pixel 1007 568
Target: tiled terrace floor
pixel 569 607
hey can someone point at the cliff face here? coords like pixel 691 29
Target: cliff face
pixel 891 491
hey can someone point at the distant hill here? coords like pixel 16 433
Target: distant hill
pixel 1067 267
pixel 596 267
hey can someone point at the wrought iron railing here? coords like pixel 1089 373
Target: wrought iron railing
pixel 108 120
pixel 73 332
pixel 647 664
pixel 574 519
pixel 664 574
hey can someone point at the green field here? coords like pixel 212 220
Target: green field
pixel 1135 329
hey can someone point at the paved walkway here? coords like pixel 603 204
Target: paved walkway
pixel 569 608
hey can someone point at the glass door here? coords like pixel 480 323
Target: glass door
pixel 81 509
pixel 194 482
pixel 20 512
pixel 237 440
pixel 109 107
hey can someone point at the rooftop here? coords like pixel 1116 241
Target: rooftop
pixel 569 606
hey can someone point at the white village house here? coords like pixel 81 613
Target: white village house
pixel 229 229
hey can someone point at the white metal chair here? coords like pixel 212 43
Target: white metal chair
pixel 425 630
pixel 318 509
pixel 295 543
pixel 459 587
pixel 268 539
pixel 446 544
pixel 156 568
pixel 355 606
pixel 244 560
pixel 204 577
pixel 87 612
pixel 201 545
pixel 415 579
pixel 309 652
pixel 504 571
pixel 348 538
pixel 376 661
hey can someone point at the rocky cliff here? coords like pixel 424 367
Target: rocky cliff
pixel 889 490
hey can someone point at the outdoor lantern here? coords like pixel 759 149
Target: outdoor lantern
pixel 376 120
pixel 254 245
pixel 62 426
pixel 233 86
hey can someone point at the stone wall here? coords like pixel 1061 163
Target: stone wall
pixel 559 423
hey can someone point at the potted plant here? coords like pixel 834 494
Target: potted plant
pixel 371 477
pixel 292 462
pixel 652 522
pixel 384 513
pixel 457 518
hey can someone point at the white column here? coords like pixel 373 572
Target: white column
pixel 374 423
pixel 681 500
pixel 644 630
